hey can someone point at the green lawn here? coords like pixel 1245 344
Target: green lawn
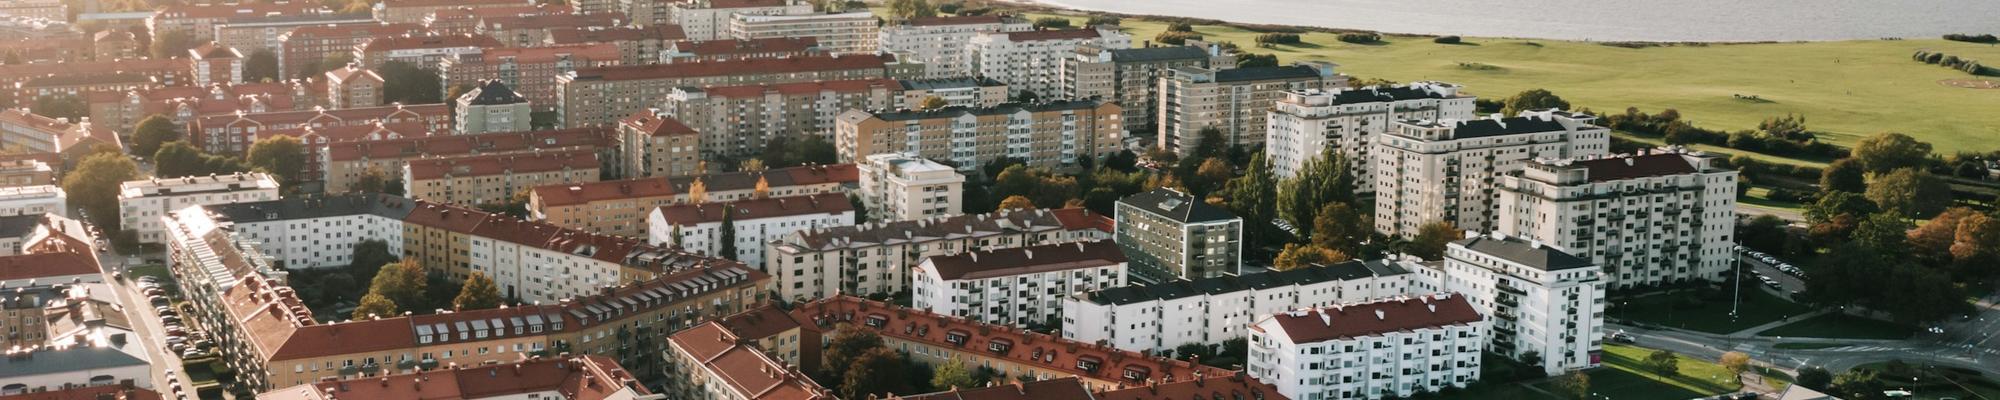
pixel 1711 316
pixel 1625 376
pixel 1760 196
pixel 1935 383
pixel 1843 326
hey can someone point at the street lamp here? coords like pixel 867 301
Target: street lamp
pixel 1737 302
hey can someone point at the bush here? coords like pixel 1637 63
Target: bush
pixel 949 8
pixel 1446 40
pixel 1248 60
pixel 1361 37
pixel 1100 20
pixel 1278 38
pixel 1051 23
pixel 1176 38
pixel 1180 27
pixel 1961 37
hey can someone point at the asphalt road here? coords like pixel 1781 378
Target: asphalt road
pixel 145 324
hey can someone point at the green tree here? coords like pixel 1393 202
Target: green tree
pixel 845 346
pixel 406 83
pixel 1253 60
pixel 1910 193
pixel 1883 232
pixel 860 207
pixel 370 255
pixel 1052 23
pixel 1296 256
pixel 870 375
pixel 61 106
pixel 1575 384
pixel 173 44
pixel 178 159
pixel 1844 175
pixel 1891 151
pixel 1815 378
pixel 279 155
pixel 1431 240
pixel 1835 204
pixel 93 186
pixel 911 9
pixel 1210 176
pixel 261 66
pixel 932 103
pixel 1664 362
pixel 152 132
pixel 328 63
pixel 374 305
pixel 478 293
pixel 726 239
pixel 1915 294
pixel 952 376
pixel 1532 99
pixel 1341 227
pixel 1322 180
pixel 1858 383
pixel 373 180
pixel 1254 197
pixel 404 283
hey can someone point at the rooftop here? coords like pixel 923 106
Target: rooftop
pixel 747 370
pixel 1343 271
pixel 1064 388
pixel 597 34
pixel 786 65
pixel 956 226
pixel 581 193
pixel 1052 34
pixel 1636 166
pixel 751 46
pixel 955 20
pixel 1267 73
pixel 1374 318
pixel 1003 109
pixel 588 377
pixel 493 92
pixel 655 124
pixel 802 88
pixel 1026 260
pixel 504 164
pixel 405 42
pixel 1176 206
pixel 751 209
pixel 1161 53
pixel 1532 254
pixel 484 143
pixel 197 184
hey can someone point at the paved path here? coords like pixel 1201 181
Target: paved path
pixel 1752 331
pixel 1853 352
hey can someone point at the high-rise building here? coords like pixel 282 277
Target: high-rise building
pixel 1449 170
pixel 898 187
pixel 939 42
pixel 1388 348
pixel 1235 102
pixel 1032 61
pixel 837 33
pixel 653 144
pixel 709 19
pixel 1171 235
pixel 1131 77
pixel 1658 217
pixel 1542 302
pixel 1055 135
pixel 529 71
pixel 142 203
pixel 1305 123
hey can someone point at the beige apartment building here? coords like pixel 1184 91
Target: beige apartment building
pixel 836 33
pixel 1447 170
pixel 736 49
pixel 1053 135
pixel 738 121
pixel 1130 77
pixel 404 11
pixel 495 179
pixel 654 144
pixel 636 45
pixel 709 19
pixel 602 95
pixel 873 258
pixel 529 71
pixel 532 30
pixel 940 41
pixel 1657 217
pixel 1234 101
pixel 346 162
pixel 1304 124
pixel 353 87
pixel 619 207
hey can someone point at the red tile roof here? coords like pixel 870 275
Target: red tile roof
pixel 735 67
pixel 542 161
pixel 350 133
pixel 1231 386
pixel 749 209
pixel 293 117
pixel 761 322
pixel 581 378
pixel 143 66
pixel 746 369
pixel 581 53
pixel 1053 34
pixel 802 88
pixel 447 3
pixel 46 266
pixel 354 30
pixel 1064 388
pixel 228 10
pixel 581 193
pixel 752 46
pixel 1017 346
pixel 112 392
pixel 510 22
pixel 485 143
pixel 654 124
pixel 404 42
pixel 1027 260
pixel 1080 218
pixel 1368 319
pixel 595 34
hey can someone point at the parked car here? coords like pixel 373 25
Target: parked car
pixel 1622 337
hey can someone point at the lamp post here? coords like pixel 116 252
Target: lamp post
pixel 1737 302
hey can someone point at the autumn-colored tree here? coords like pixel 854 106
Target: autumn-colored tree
pixel 1431 240
pixel 374 305
pixel 1890 151
pixel 876 372
pixel 1977 242
pixel 1016 202
pixel 1296 256
pixel 1933 241
pixel 1211 175
pixel 478 293
pixel 953 375
pixel 1736 362
pixel 1341 227
pixel 402 283
pixel 932 103
pixel 846 345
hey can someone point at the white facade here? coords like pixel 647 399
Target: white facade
pixel 756 222
pixel 877 257
pixel 1161 317
pixel 1539 299
pixel 701 21
pixel 1652 218
pixel 321 242
pixel 538 274
pixel 1371 350
pixel 843 33
pixel 898 187
pixel 142 203
pixel 1020 286
pixel 33 200
pixel 1032 61
pixel 1304 123
pixel 940 46
pixel 1446 170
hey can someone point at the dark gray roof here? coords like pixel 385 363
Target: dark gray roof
pixel 1176 206
pixel 19 225
pixel 82 358
pixel 1343 271
pixel 494 92
pixel 1376 95
pixel 395 207
pixel 947 83
pixel 1266 73
pixel 1480 128
pixel 1145 54
pixel 1532 255
pixel 1008 108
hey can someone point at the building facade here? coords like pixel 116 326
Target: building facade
pixel 1054 135
pixel 1131 77
pixel 1032 61
pixel 1540 300
pixel 699 227
pixel 1304 124
pixel 1653 218
pixel 710 19
pixel 492 107
pixel 654 144
pixel 1235 102
pixel 740 121
pixel 496 179
pixel 348 163
pixel 877 257
pixel 898 187
pixel 1389 348
pixel 33 200
pixel 1020 286
pixel 939 42
pixel 1172 235
pixel 836 33
pixel 233 133
pixel 1211 311
pixel 1445 170
pixel 142 203
pixel 529 71
pixel 601 95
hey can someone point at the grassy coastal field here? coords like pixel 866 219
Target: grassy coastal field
pixel 1847 90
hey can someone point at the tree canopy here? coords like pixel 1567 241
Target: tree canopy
pixel 152 132
pixel 406 83
pixel 1321 181
pixel 177 159
pixel 1910 193
pixel 61 106
pixel 403 283
pixel 94 184
pixel 1890 151
pixel 279 155
pixel 374 305
pixel 260 66
pixel 1431 240
pixel 910 9
pixel 1296 256
pixel 1532 99
pixel 478 293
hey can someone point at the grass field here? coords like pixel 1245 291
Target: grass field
pixel 1847 90
pixel 1841 326
pixel 1625 376
pixel 1711 316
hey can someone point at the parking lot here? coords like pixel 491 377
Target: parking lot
pixel 149 301
pixel 1773 273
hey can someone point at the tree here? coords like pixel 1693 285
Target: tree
pixel 1212 175
pixel 1977 242
pixel 374 305
pixel 847 344
pixel 1576 384
pixel 373 180
pixel 335 287
pixel 911 9
pixel 261 66
pixel 1296 256
pixel 173 44
pixel 1431 240
pixel 1052 23
pixel 1016 202
pixel 403 283
pixel 1254 197
pixel 1763 232
pixel 279 155
pixel 1341 227
pixel 178 159
pixel 1664 362
pixel 870 372
pixel 932 103
pixel 61 106
pixel 1532 99
pixel 952 376
pixel 1815 377
pixel 1932 241
pixel 1858 383
pixel 1254 60
pixel 860 207
pixel 1883 232
pixel 478 293
pixel 406 83
pixel 726 239
pixel 1835 204
pixel 370 255
pixel 152 132
pixel 328 63
pixel 1910 193
pixel 1890 151
pixel 1322 180
pixel 94 185
pixel 1736 362
pixel 1176 38
pixel 1844 175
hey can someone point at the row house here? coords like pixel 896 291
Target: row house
pixel 602 95
pixel 877 257
pixel 620 207
pixel 346 163
pixel 528 71
pixel 234 133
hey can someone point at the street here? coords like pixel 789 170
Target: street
pixel 145 323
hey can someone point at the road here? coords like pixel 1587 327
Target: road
pixel 145 323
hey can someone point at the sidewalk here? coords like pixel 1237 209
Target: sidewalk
pixel 1752 331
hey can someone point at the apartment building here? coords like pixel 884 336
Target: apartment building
pixel 317 140
pixel 334 224
pixel 44 9
pixel 156 73
pixel 1389 348
pixel 711 362
pixel 636 45
pixel 347 162
pixel 530 71
pixel 1172 235
pixel 200 20
pixel 234 133
pixel 423 51
pixel 620 207
pixel 1304 124
pixel 736 49
pixel 1653 218
pixel 601 95
pixel 354 87
pixel 33 200
pixel 142 203
pixel 492 107
pixel 410 11
pixel 900 187
pixel 935 339
pixel 182 104
pixel 46 233
pixel 113 45
pixel 939 42
pixel 654 144
pixel 1032 61
pixel 711 19
pixel 306 46
pixel 777 333
pixel 1131 77
pixel 837 33
pixel 532 30
pixel 554 378
pixel 1236 102
pixel 214 63
pixel 959 92
pixel 251 34
pixel 1449 170
pixel 467 20
pixel 700 227
pixel 25 132
pixel 876 257
pixel 1020 287
pixel 741 121
pixel 27 171
pixel 1052 135
pixel 1540 300
pixel 497 178
pixel 1212 311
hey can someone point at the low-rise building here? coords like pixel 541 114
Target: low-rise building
pixel 778 333
pixel 492 107
pixel 1055 135
pixel 955 91
pixel 348 163
pixel 873 258
pixel 1236 102
pixel 354 87
pixel 233 133
pixel 620 207
pixel 1032 61
pixel 1304 124
pixel 300 50
pixel 556 378
pixel 1131 77
pixel 1161 317
pixel 113 45
pixel 498 178
pixel 143 203
pixel 215 63
pixel 736 49
pixel 836 33
pixel 1448 170
pixel 532 30
pixel 1389 348
pixel 1658 217
pixel 1545 306
pixel 250 34
pixel 408 11
pixel 199 21
pixel 310 232
pixel 530 71
pixel 939 42
pixel 422 51
pixel 27 171
pixel 466 20
pixel 744 225
pixel 1172 235
pixel 1020 286
pixel 898 187
pixel 711 362
pixel 33 200
pixel 25 132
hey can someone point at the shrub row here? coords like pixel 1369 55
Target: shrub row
pixel 1361 37
pixel 1983 38
pixel 1279 38
pixel 1968 65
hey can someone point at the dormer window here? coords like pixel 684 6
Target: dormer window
pixel 955 337
pixel 1136 373
pixel 999 345
pixel 1087 363
pixel 875 321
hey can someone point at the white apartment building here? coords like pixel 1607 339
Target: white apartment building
pixel 1160 317
pixel 142 203
pixel 1171 235
pixel 837 33
pixel 900 186
pixel 939 42
pixel 1305 123
pixel 1393 347
pixel 1021 286
pixel 317 232
pixel 1031 61
pixel 33 200
pixel 1546 306
pixel 491 108
pixel 698 227
pixel 1652 218
pixel 710 19
pixel 876 257
pixel 1447 170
